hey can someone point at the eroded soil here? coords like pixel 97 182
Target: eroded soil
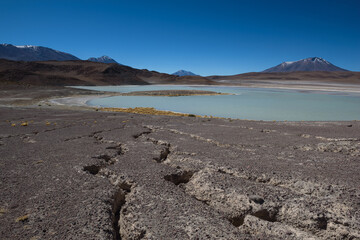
pixel 100 175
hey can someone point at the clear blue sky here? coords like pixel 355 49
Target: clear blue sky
pixel 204 36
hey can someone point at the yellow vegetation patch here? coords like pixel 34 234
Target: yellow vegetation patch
pixel 22 218
pixel 3 211
pixel 146 110
pixel 24 124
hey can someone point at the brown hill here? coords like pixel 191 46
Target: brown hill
pixel 333 77
pixel 65 73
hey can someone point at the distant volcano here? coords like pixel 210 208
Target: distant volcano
pixel 184 73
pixel 306 65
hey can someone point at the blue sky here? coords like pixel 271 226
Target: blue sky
pixel 206 37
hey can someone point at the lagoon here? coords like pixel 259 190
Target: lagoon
pixel 245 103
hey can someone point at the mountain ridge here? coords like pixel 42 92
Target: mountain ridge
pixel 33 53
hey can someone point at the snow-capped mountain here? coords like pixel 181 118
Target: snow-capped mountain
pixel 184 73
pixel 33 53
pixel 103 59
pixel 305 65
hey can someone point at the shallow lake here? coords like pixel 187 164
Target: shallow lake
pixel 246 103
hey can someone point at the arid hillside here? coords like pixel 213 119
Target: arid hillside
pixel 65 73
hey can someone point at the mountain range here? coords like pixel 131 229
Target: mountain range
pixel 306 65
pixel 35 65
pixel 38 53
pixel 184 73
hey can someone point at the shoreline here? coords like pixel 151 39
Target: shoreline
pixel 79 99
pixel 83 101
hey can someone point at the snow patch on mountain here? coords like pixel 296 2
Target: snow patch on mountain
pixel 103 59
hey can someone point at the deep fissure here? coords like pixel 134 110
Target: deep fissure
pixel 93 169
pixel 140 134
pixel 180 177
pixel 119 201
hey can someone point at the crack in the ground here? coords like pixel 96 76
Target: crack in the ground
pixel 119 200
pixel 59 128
pixel 199 138
pixel 93 169
pixel 74 138
pixel 120 149
pixel 123 187
pixel 140 134
pixel 163 154
pixel 106 160
pixel 179 177
pixel 240 147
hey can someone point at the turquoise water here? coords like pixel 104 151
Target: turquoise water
pixel 246 103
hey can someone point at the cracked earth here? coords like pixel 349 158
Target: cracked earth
pixel 99 175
